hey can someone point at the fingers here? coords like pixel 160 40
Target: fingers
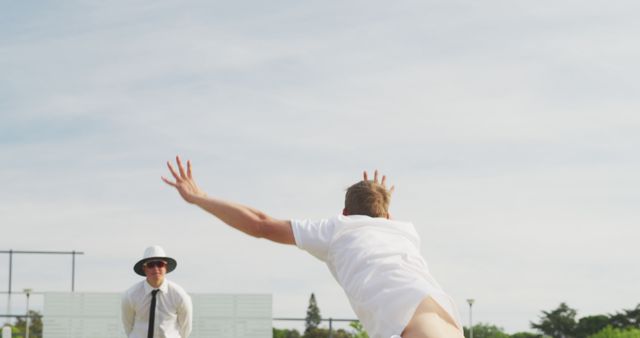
pixel 173 172
pixel 180 174
pixel 168 182
pixel 180 167
pixel 382 182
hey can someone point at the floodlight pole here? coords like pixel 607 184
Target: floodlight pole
pixel 10 271
pixel 470 301
pixel 27 292
pixel 73 270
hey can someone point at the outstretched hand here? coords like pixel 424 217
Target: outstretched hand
pixel 382 182
pixel 184 181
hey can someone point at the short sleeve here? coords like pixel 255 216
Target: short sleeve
pixel 314 236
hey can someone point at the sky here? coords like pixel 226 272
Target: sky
pixel 509 129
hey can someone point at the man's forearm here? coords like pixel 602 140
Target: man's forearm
pixel 243 218
pixel 127 316
pixel 185 318
pixel 248 220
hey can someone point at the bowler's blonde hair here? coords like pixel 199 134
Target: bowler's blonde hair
pixel 367 198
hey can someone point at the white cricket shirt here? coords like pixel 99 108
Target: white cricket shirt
pixel 378 264
pixel 173 316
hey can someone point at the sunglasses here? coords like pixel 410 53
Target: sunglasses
pixel 155 264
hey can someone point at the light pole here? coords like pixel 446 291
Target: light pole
pixel 28 293
pixel 470 301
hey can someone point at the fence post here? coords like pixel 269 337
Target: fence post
pixel 330 327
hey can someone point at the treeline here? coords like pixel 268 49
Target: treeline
pixel 561 322
pixel 19 328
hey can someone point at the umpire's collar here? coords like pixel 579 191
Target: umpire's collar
pixel 163 287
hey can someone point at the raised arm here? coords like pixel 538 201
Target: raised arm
pixel 246 219
pixel 383 182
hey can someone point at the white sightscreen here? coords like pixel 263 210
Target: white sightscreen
pixel 97 315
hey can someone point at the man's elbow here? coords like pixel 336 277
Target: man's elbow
pixel 275 231
pixel 262 229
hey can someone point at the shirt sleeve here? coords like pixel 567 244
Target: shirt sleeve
pixel 314 236
pixel 185 316
pixel 127 314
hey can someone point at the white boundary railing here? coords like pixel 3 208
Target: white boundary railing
pixel 93 315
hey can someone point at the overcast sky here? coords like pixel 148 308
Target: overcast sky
pixel 509 128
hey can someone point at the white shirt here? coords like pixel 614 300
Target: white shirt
pixel 378 263
pixel 173 314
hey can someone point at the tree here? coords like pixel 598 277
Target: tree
pixel 285 333
pixel 482 330
pixel 35 325
pixel 313 315
pixel 619 320
pixel 610 332
pixel 626 318
pixel 358 330
pixel 558 323
pixel 591 325
pixel 633 316
pixel 525 335
pixel 324 333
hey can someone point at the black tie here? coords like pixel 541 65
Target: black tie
pixel 152 313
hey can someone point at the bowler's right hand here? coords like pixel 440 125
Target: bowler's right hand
pixel 184 182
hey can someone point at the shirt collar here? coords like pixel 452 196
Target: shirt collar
pixel 163 287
